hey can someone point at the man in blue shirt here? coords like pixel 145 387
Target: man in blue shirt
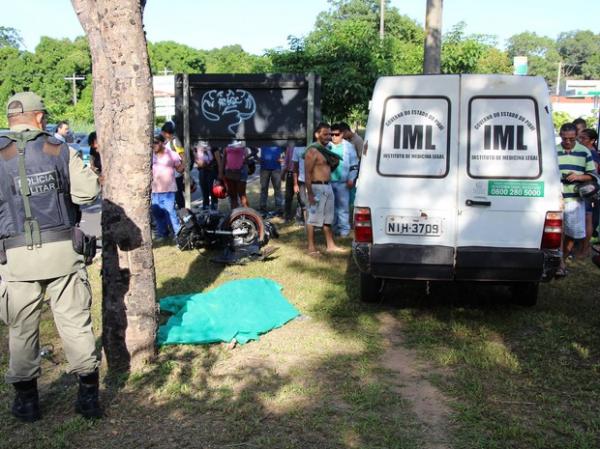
pixel 270 172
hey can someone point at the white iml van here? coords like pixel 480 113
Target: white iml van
pixel 459 180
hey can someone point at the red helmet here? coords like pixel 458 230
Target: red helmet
pixel 219 190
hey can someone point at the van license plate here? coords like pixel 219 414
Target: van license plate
pixel 396 225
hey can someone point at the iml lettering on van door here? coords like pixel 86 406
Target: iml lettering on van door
pixel 410 137
pixel 502 137
pixel 415 136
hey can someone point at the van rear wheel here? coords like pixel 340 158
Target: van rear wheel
pixel 370 288
pixel 525 293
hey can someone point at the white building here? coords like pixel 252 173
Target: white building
pixel 164 96
pixel 581 99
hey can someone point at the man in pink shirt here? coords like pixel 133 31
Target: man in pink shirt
pixel 165 163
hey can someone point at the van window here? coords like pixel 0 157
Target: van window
pixel 414 137
pixel 503 138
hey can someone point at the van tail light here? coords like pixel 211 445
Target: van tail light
pixel 553 230
pixel 363 230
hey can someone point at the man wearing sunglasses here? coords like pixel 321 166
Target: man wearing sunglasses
pixel 342 179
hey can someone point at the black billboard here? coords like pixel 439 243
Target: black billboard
pixel 259 109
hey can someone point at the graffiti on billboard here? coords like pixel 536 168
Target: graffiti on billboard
pixel 228 106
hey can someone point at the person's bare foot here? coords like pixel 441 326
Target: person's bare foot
pixel 314 253
pixel 336 250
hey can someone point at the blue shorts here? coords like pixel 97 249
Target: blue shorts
pixel 588 207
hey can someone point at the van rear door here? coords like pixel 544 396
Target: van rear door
pixel 414 177
pixel 502 197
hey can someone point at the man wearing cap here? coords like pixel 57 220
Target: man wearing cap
pixel 41 181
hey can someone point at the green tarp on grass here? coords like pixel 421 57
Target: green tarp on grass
pixel 241 309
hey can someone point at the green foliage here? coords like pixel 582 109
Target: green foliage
pixel 174 57
pixel 346 51
pixel 591 122
pixel 9 37
pixel 541 52
pixel 233 59
pixel 580 52
pixel 44 70
pixel 461 57
pixel 559 118
pixel 402 57
pixel 470 54
pixel 494 61
pixel 577 51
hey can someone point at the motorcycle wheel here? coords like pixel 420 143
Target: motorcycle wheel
pixel 249 220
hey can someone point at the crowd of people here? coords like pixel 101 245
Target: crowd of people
pixel 324 192
pixel 282 169
pixel 579 162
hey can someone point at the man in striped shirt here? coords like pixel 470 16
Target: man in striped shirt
pixel 576 165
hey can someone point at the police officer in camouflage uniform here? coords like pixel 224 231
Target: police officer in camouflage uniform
pixel 41 181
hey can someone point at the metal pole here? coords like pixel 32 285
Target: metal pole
pixel 186 140
pixel 433 37
pixel 74 90
pixel 310 109
pixel 558 77
pixel 597 102
pixel 381 19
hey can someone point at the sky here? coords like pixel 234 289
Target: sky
pixel 262 24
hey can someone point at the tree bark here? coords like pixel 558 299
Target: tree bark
pixel 433 37
pixel 123 112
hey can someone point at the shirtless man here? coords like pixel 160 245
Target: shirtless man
pixel 319 191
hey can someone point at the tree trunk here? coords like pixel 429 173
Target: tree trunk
pixel 123 111
pixel 433 37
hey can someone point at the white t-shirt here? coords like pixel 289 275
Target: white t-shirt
pixel 297 157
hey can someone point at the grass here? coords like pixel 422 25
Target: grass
pixel 514 377
pixel 520 378
pixel 316 382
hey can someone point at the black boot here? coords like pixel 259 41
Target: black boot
pixel 26 405
pixel 87 404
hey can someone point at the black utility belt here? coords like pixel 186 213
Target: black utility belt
pixel 320 182
pixel 82 244
pixel 47 237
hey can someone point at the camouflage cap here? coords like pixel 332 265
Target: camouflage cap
pixel 28 102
